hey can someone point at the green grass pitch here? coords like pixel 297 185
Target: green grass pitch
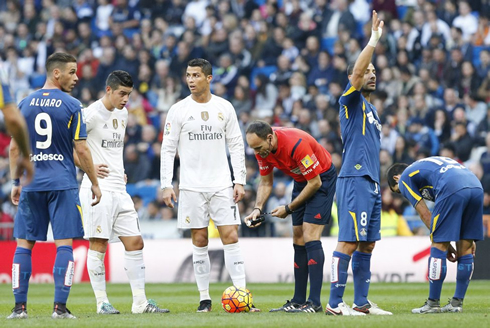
pixel 182 300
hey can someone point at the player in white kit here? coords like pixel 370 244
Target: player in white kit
pixel 200 127
pixel 115 217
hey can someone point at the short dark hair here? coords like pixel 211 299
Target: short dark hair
pixel 260 128
pixel 393 170
pixel 206 66
pixel 350 69
pixel 119 78
pixel 58 60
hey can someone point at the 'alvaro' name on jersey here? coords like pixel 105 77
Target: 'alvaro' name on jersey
pixel 46 102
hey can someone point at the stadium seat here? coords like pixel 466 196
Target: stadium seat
pixel 148 193
pixel 359 29
pixel 131 189
pixel 262 2
pixel 36 81
pixel 266 70
pixel 128 32
pixel 328 43
pixel 155 120
pixel 402 11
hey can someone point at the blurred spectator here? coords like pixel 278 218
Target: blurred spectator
pixel 281 227
pixel 152 212
pixel 434 26
pixel 401 153
pixel 469 80
pixel 485 157
pixel 126 16
pixel 283 72
pixel 465 20
pixel 102 16
pixel 226 73
pixel 337 18
pixel 392 222
pixel 272 48
pixel 448 150
pixel 265 98
pixel 168 94
pixel 441 125
pixel 137 165
pixel 476 110
pixel 483 66
pixel 462 141
pixel 423 136
pixel 240 101
pixel 386 161
pixel 460 43
pixel 482 35
pixel 388 138
pixel 483 128
pixel 322 72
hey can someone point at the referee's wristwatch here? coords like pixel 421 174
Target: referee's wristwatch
pixel 288 210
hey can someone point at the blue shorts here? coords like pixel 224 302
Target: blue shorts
pixel 318 208
pixel 458 216
pixel 38 208
pixel 359 209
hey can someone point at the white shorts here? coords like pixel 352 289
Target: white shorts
pixel 113 217
pixel 196 208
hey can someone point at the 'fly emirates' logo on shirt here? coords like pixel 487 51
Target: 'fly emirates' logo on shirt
pixel 117 141
pixel 206 133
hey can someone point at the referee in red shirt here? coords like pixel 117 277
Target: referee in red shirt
pixel 300 156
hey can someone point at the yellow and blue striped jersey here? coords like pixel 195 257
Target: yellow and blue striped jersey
pixel 435 178
pixel 53 120
pixel 360 128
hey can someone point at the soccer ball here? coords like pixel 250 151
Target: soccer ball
pixel 236 299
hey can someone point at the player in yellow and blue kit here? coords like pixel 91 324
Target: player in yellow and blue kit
pixel 55 127
pixel 457 216
pixel 358 192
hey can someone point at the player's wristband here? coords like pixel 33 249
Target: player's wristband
pixel 375 36
pixel 288 210
pixel 16 182
pixel 257 208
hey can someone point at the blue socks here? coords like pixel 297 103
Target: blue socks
pixel 63 270
pixel 316 259
pixel 338 278
pixel 437 272
pixel 463 276
pixel 300 274
pixel 361 271
pixel 21 273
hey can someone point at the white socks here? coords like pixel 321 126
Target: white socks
pixel 202 268
pixel 135 270
pixel 96 272
pixel 235 264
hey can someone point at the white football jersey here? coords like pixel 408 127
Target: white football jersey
pixel 201 132
pixel 105 138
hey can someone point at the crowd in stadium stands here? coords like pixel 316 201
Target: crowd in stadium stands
pixel 283 61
